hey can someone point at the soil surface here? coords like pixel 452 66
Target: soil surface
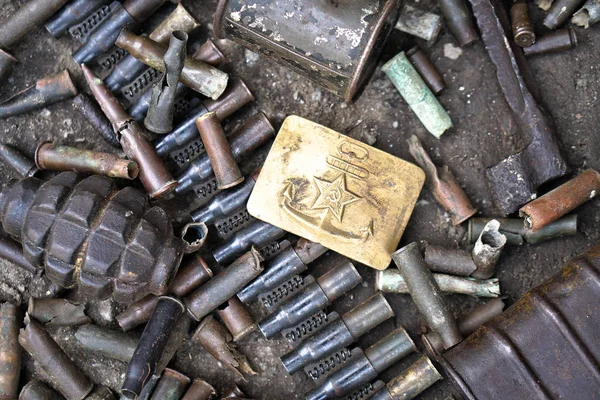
pixel 483 134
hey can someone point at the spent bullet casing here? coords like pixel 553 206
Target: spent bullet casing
pixel 137 313
pixel 339 334
pixel 314 297
pixel 292 261
pixel 218 150
pixel 588 15
pixel 57 312
pixel 27 18
pixel 460 20
pixel 426 69
pixel 20 163
pixel 171 385
pixel 152 344
pixel 237 319
pixel 411 382
pixel 10 351
pixel 46 91
pixel 200 390
pixel 89 108
pixel 225 203
pixel 162 105
pixel 560 40
pixel 36 390
pixel 364 367
pixel 257 234
pixel 68 378
pixel 71 14
pixel 522 27
pixel 487 250
pixel 236 96
pixel 415 92
pixel 449 261
pixel 426 294
pixel 560 11
pixel 419 23
pixel 106 342
pixel 224 285
pixel 147 390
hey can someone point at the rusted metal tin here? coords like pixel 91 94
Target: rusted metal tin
pixel 219 152
pixel 13 252
pixel 36 390
pixel 21 164
pixel 200 390
pixel 237 319
pixel 587 15
pixel 7 60
pixel 522 27
pixel 46 91
pixel 487 250
pixel 565 198
pixel 224 285
pixel 65 158
pixel 107 342
pixel 194 271
pixel 196 75
pixel 544 346
pixel 426 69
pixel 514 180
pixel 411 382
pixel 57 312
pixel 337 47
pixel 68 378
pixel 89 108
pixel 217 340
pixel 153 173
pixel 443 185
pixel 426 294
pixel 162 105
pixel 243 141
pixel 27 18
pixel 419 23
pixel 152 344
pixel 516 233
pixel 560 40
pixel 314 297
pixel 171 385
pixel 460 20
pixel 72 14
pixel 560 11
pixel 257 234
pixel 449 261
pixel 10 351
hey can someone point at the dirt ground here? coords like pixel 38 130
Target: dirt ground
pixel 483 134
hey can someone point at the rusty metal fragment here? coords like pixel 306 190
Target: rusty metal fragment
pixel 200 390
pixel 588 15
pixel 419 23
pixel 516 233
pixel 559 40
pixel 522 27
pixel 137 313
pixel 443 185
pixel 10 351
pixel 460 20
pixel 171 385
pixel 36 390
pixel 237 319
pixel 487 250
pixel 565 198
pixel 560 12
pixel 20 163
pixel 107 342
pixel 426 69
pixel 89 108
pixel 57 312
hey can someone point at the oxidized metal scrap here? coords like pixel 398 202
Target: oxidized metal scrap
pixel 13 252
pixel 415 92
pixel 52 219
pixel 237 319
pixel 68 378
pixel 588 15
pixel 57 312
pixel 314 297
pixel 217 340
pixel 171 385
pixel 10 351
pixel 339 334
pixel 243 141
pixel 544 346
pixel 236 96
pixel 65 158
pixel 411 382
pixel 148 389
pixel 153 173
pixel 514 180
pixel 419 23
pixel 336 47
pixel 46 91
pixel 426 294
pixel 27 18
pixel 559 40
pixel 210 54
pixel 392 281
pixel 224 285
pixel 6 62
pixel 36 390
pixel 101 393
pixel 107 342
pixel 200 390
pixel 310 326
pixel 89 108
pixel 271 299
pixel 560 11
pixel 487 250
pixel 447 261
pixel 162 105
pixel 426 69
pixel 522 27
pixel 257 234
pixel 364 367
pixel 137 313
pixel 568 196
pixel 219 151
pixel 466 325
pixel 292 261
pixel 196 75
pixel 152 344
pixel 516 233
pixel 21 164
pixel 459 20
pixel 443 185
pixel 72 14
pixel 336 191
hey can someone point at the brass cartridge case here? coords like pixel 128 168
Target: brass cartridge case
pixel 460 20
pixel 107 342
pixel 137 313
pixel 522 28
pixel 426 69
pixel 210 54
pixel 237 319
pixel 36 390
pixel 449 261
pixel 411 382
pixel 21 164
pixel 57 312
pixel 419 23
pixel 194 271
pixel 10 351
pixel 568 196
pixel 171 385
pixel 200 390
pixel 559 40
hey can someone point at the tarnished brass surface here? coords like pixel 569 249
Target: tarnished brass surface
pixel 336 191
